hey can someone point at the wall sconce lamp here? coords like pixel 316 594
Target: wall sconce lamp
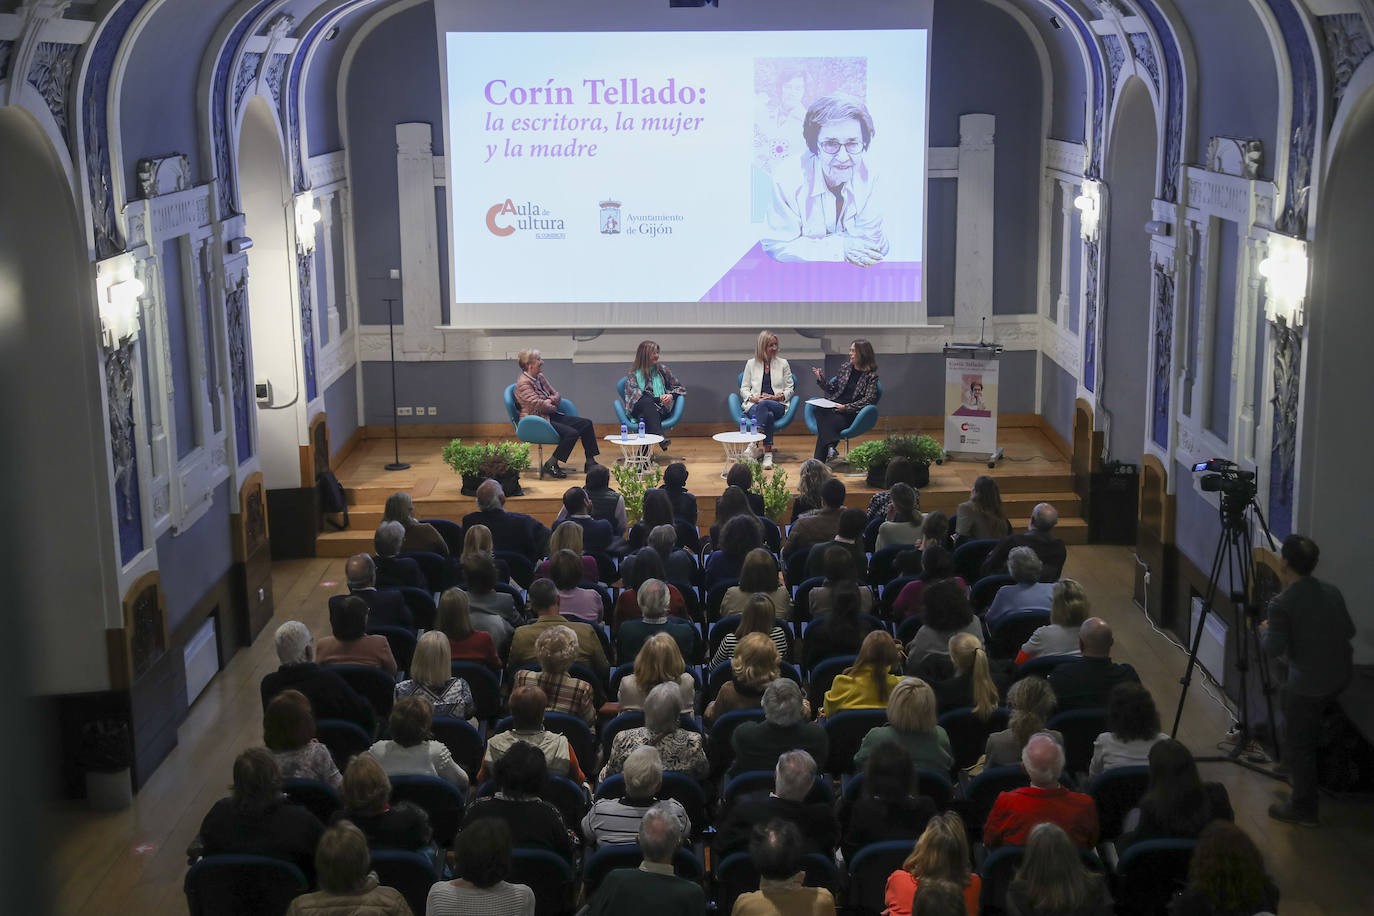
pixel 306 219
pixel 1089 206
pixel 1285 279
pixel 119 311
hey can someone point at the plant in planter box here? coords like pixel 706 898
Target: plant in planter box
pixel 773 489
pixel 632 487
pixel 501 461
pixel 869 455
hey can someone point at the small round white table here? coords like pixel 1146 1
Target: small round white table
pixel 634 449
pixel 735 444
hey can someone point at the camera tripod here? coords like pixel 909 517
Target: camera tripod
pixel 1233 553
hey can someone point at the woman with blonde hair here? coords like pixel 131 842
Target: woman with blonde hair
pixel 477 542
pixel 419 535
pixel 557 648
pixel 432 681
pixel 366 802
pixel 765 388
pixel 869 681
pixel 973 683
pixel 454 620
pixel 651 390
pixel 1032 700
pixel 757 575
pixel 754 666
pixel 659 662
pixel 1068 609
pixel 812 475
pixel 288 730
pixel 347 884
pixel 568 537
pixel 758 617
pixel 911 723
pixel 941 854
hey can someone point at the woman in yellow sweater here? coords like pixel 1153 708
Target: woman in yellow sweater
pixel 868 682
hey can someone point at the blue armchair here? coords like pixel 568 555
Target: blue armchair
pixel 535 430
pixel 865 420
pixel 737 407
pixel 673 418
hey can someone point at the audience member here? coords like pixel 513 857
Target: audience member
pixel 597 534
pixel 606 503
pixel 899 470
pixel 366 797
pixel 1068 609
pixel 982 517
pixel 1052 880
pixel 432 680
pixel 776 849
pixel 1177 804
pixel 477 542
pixel 794 778
pixel 935 532
pixel 639 567
pixel 1045 799
pixel 393 570
pixel 911 723
pixel 329 694
pixel 1027 593
pixel 734 536
pixel 679 564
pixel 481 855
pixel 544 602
pixel 347 884
pixel 1226 876
pixel 654 510
pixel 849 535
pixel 758 575
pixel 842 629
pixel 940 854
pixel 754 666
pixel 936 897
pixel 465 641
pixel 410 751
pixel 659 662
pixel 255 819
pixel 527 713
pixel 521 776
pixel 584 604
pixel 384 607
pixel 785 727
pixel 947 614
pixel 839 570
pixel 869 681
pixel 568 537
pixel 740 475
pixel 890 806
pixel 902 527
pixel 812 476
pixel 511 531
pixel 937 565
pixel 557 648
pixel 419 535
pixel 628 891
pixel 1039 538
pixel 819 524
pixel 973 683
pixel 613 821
pixel 758 617
pixel 1132 729
pixel 654 599
pixel 1086 682
pixel 675 487
pixel 1031 700
pixel 288 731
pixel 492 612
pixel 350 643
pixel 680 749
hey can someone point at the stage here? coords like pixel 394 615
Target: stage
pixel 1033 469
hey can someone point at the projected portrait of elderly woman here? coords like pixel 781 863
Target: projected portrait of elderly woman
pixel 825 203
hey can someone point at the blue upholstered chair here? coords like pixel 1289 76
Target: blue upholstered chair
pixel 737 407
pixel 535 430
pixel 674 416
pixel 866 419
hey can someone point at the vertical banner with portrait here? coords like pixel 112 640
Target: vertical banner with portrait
pixel 970 405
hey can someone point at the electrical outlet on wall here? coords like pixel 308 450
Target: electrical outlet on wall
pixel 434 411
pixel 403 411
pixel 419 411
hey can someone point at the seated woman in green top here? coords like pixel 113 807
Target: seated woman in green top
pixel 651 390
pixel 911 715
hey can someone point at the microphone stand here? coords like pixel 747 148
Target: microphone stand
pixel 398 464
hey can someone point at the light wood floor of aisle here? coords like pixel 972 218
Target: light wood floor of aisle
pixel 133 862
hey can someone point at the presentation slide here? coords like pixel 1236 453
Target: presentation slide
pixel 687 167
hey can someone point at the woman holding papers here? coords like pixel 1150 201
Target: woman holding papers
pixel 851 390
pixel 765 387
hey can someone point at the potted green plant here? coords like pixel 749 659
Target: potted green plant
pixel 500 461
pixel 772 488
pixel 632 486
pixel 873 456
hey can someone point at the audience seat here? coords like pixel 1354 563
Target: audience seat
pixel 846 730
pixel 439 798
pixel 549 875
pixel 715 596
pixel 578 733
pixel 315 795
pixel 463 741
pixel 420 603
pixel 981 794
pixel 969 557
pixel 735 875
pixel 680 787
pixel 1080 728
pixel 519 566
pixel 437 568
pixel 1149 874
pixel 402 642
pixel 242 885
pixel 968 734
pixel 881 566
pixel 719 749
pixel 868 873
pixel 570 798
pixel 372 684
pixel 936 786
pixel 411 873
pixel 755 781
pixel 823 673
pixel 344 739
pixel 606 859
pixel 982 592
pixel 634 718
pixel 889 595
pixel 1011 632
pixel 450 531
pixel 801 599
pixel 1040 666
pixel 1116 791
pixel 485 685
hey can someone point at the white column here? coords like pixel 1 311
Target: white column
pixel 328 294
pixel 419 237
pixel 974 223
pixel 1066 238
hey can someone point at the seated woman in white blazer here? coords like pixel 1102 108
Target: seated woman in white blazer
pixel 765 388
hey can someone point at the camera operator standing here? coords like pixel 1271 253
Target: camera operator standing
pixel 1309 624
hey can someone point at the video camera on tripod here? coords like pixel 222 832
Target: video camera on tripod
pixel 1226 477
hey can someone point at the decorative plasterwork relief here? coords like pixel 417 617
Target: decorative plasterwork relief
pixel 163 175
pixel 1347 45
pixel 1063 156
pixel 1163 352
pixel 1240 200
pixel 51 74
pixel 325 169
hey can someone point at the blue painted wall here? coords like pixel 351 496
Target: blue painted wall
pixel 1058 389
pixel 192 562
pixel 942 208
pixel 182 395
pixel 341 409
pixel 1223 323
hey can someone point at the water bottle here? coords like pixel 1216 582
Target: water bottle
pixel 624 432
pixel 753 425
pixel 641 427
pixel 743 424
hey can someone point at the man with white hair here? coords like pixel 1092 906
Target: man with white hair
pixel 794 778
pixel 392 570
pixel 1038 537
pixel 1044 800
pixel 653 598
pixel 513 531
pixel 632 891
pixel 329 694
pixel 1027 593
pixel 616 820
pixel 785 727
